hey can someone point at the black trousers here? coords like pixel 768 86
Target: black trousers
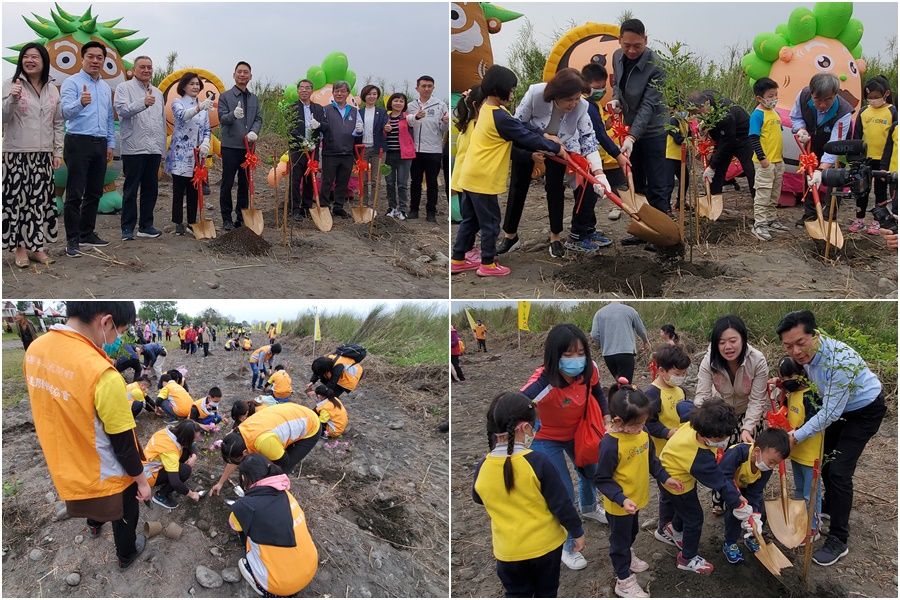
pixel 296 452
pixel 336 172
pixel 141 171
pixel 620 365
pixel 521 166
pixel 123 364
pixel 427 165
pixel 880 185
pixel 744 154
pixel 454 360
pixel 301 194
pixel 648 160
pixel 85 158
pixel 183 188
pixel 480 212
pixel 845 440
pixel 231 166
pixel 623 531
pixel 689 515
pixel 532 578
pixel 673 181
pixel 124 529
pixel 482 345
pixel 165 488
pixel 205 348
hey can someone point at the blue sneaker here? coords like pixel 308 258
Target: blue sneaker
pixel 732 553
pixel 752 544
pixel 149 232
pixel 601 240
pixel 127 235
pixel 586 246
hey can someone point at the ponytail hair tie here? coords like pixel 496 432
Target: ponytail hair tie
pixel 623 381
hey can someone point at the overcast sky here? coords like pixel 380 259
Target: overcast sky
pixel 707 28
pixel 280 40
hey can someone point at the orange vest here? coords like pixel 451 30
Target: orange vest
pixel 201 408
pixel 289 422
pixel 266 351
pixel 281 384
pixel 181 400
pixel 352 372
pixel 161 442
pixel 338 422
pixel 247 344
pixel 62 369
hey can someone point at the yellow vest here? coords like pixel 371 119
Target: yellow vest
pixel 876 124
pixel 678 456
pixel 62 369
pixel 337 421
pixel 807 451
pixel 135 393
pixel 161 442
pixel 265 351
pixel 281 384
pixel 668 412
pixel 181 400
pixel 673 150
pixel 289 422
pixel 632 472
pixel 744 476
pixel 352 372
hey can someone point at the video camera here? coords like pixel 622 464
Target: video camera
pixel 855 176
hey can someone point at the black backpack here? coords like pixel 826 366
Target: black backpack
pixel 354 352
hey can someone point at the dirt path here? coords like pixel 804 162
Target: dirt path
pixel 402 260
pixel 729 263
pixel 868 571
pixel 376 504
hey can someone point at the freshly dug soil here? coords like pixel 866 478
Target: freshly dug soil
pixel 240 241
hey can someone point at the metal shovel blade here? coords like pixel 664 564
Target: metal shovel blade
pixel 654 226
pixel 788 528
pixel 321 218
pixel 204 229
pixel 710 207
pixel 253 219
pixel 362 214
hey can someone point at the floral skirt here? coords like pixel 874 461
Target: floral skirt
pixel 29 215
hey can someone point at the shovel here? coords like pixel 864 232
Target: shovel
pixel 709 207
pixel 204 229
pixel 632 199
pixel 253 218
pixel 377 190
pixel 320 216
pixel 818 229
pixel 361 213
pixel 769 555
pixel 813 517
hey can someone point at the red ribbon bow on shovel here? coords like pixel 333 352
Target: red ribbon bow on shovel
pixel 777 417
pixel 250 163
pixel 619 128
pixel 200 174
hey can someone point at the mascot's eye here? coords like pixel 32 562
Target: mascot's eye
pixel 110 67
pixel 853 68
pixel 457 17
pixel 823 62
pixel 211 95
pixel 599 59
pixel 65 60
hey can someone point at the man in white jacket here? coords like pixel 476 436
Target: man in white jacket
pixel 142 127
pixel 430 119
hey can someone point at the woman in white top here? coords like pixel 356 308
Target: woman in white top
pixel 558 110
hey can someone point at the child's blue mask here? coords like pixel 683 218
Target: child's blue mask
pixel 571 366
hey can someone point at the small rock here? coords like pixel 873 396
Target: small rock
pixel 649 523
pixel 323 576
pixel 376 471
pixel 94 278
pixel 213 285
pixel 455 535
pixel 212 532
pixel 377 563
pixel 605 592
pixel 36 554
pixel 79 539
pixel 411 484
pixel 397 425
pixel 73 579
pixel 424 259
pixel 885 284
pixel 362 470
pixel 216 551
pixel 50 496
pixel 231 574
pixel 192 591
pixel 657 556
pixel 61 512
pixel 313 482
pixel 365 592
pixel 456 561
pixel 203 525
pixel 441 260
pixel 207 577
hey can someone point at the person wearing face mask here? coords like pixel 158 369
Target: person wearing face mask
pixel 561 389
pixel 623 473
pixel 765 138
pixel 205 411
pixel 77 395
pixel 802 405
pixel 665 393
pixel 690 457
pixel 750 466
pixel 851 413
pixel 530 509
pixel 873 126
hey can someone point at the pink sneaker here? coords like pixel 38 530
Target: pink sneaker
pixel 492 270
pixel 474 255
pixel 460 266
pixel 857 225
pixel 874 228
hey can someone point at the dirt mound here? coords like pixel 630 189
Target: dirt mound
pixel 637 276
pixel 241 241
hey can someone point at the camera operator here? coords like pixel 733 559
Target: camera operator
pixel 820 115
pixel 889 163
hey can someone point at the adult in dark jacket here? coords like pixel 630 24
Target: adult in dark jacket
pixel 637 97
pixel 374 138
pixel 239 118
pixel 341 130
pixel 731 136
pixel 308 118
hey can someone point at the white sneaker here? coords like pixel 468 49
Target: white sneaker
pixel 778 226
pixel 638 565
pixel 598 514
pixel 630 588
pixel 669 536
pixel 614 214
pixel 573 560
pixel 392 213
pixel 760 232
pixel 401 216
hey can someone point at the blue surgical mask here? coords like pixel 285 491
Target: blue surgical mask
pixel 112 348
pixel 571 366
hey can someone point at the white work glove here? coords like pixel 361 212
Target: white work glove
pixel 815 180
pixel 803 136
pixel 191 112
pixel 627 146
pixel 313 124
pixel 752 525
pixel 709 173
pixel 204 150
pixel 206 104
pixel 602 185
pixel 359 127
pixel 252 137
pixel 614 106
pixel 743 512
pixel 238 111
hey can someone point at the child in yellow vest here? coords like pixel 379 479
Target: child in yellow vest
pixel 665 393
pixel 206 410
pixel 169 460
pixel 466 114
pixel 626 459
pixel 332 412
pixel 750 467
pixel 279 385
pixel 802 405
pixel 873 126
pixel 137 394
pixel 528 505
pixel 173 399
pixel 765 138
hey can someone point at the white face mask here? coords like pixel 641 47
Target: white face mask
pixel 722 444
pixel 876 102
pixel 770 102
pixel 762 466
pixel 676 380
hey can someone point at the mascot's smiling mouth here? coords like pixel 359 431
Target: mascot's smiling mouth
pixel 849 97
pixel 466 41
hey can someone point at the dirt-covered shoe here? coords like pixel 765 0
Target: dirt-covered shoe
pixel 630 588
pixel 244 568
pixel 638 565
pixel 508 244
pixel 873 229
pixel 777 226
pixel 668 535
pixel 697 564
pixel 573 560
pixel 494 269
pixel 556 249
pixel 761 232
pixel 459 266
pixel 474 255
pixel 598 514
pixel 732 553
pixel 857 225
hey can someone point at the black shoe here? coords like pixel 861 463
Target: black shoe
pixel 431 218
pixel 164 501
pixel 149 232
pixel 651 248
pixel 413 214
pixel 94 532
pixel 557 250
pixel 507 245
pixel 127 235
pixel 92 239
pixel 228 226
pixel 140 542
pixel 72 250
pixel 632 241
pixel 179 228
pixel 205 189
pixel 831 552
pixel 340 212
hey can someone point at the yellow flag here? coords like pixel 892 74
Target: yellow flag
pixel 471 320
pixel 317 332
pixel 524 310
pixel 278 327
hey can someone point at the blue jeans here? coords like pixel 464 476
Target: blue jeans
pixel 259 375
pixel 210 419
pixel 168 407
pixel 803 484
pixel 556 453
pixel 282 399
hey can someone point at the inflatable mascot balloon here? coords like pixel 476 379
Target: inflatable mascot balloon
pixel 333 69
pixel 63 35
pixel 825 39
pixel 212 88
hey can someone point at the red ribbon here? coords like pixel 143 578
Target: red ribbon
pixel 705 147
pixel 250 163
pixel 808 161
pixel 312 167
pixel 778 420
pixel 619 128
pixel 200 175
